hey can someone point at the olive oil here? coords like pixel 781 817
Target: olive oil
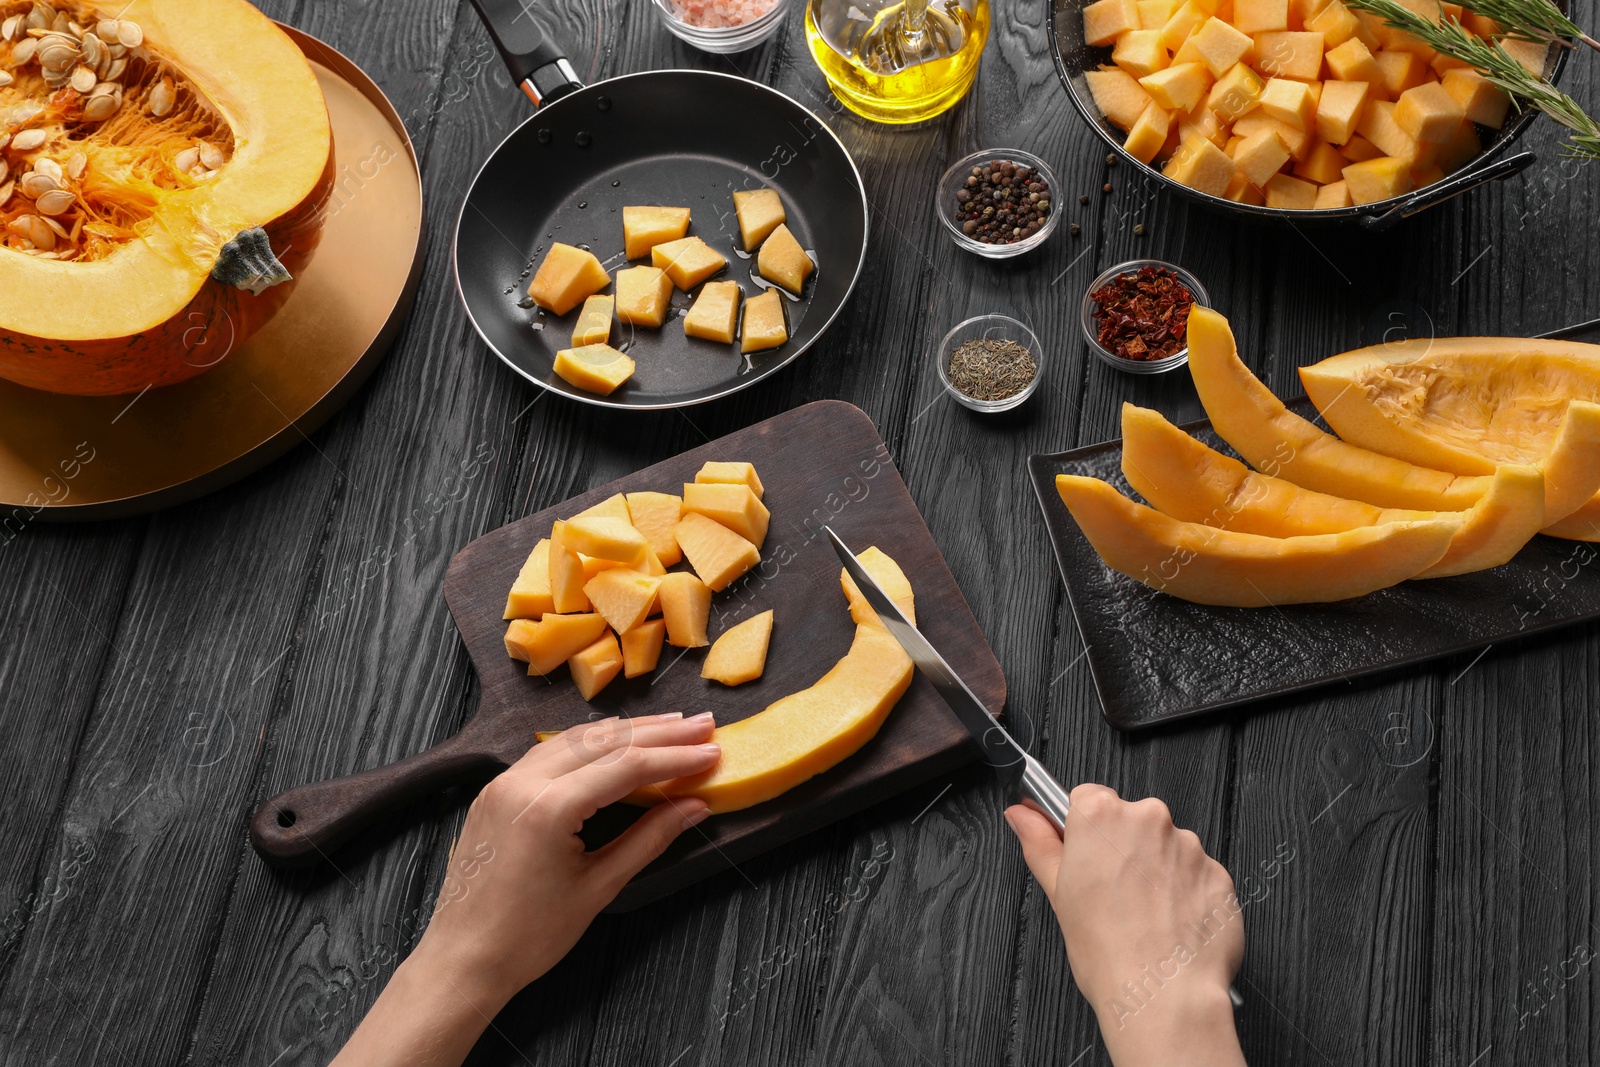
pixel 898 62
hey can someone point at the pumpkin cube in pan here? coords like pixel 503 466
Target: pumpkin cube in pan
pixel 688 262
pixel 594 368
pixel 715 314
pixel 760 211
pixel 763 326
pixel 645 227
pixel 565 277
pixel 594 322
pixel 642 296
pixel 783 262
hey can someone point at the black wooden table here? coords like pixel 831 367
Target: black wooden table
pixel 1416 854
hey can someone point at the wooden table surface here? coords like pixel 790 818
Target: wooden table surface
pixel 1416 855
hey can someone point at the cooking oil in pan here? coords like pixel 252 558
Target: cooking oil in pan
pixel 901 61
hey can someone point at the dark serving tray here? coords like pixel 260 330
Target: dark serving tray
pixel 1156 658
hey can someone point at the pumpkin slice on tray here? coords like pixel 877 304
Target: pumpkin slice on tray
pixel 172 165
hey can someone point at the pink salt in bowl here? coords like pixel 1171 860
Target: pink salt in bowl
pixel 722 26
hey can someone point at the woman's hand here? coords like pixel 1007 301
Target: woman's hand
pixel 1153 929
pixel 520 888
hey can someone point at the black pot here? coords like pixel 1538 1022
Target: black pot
pixel 1073 56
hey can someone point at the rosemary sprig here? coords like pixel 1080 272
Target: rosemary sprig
pixel 1498 66
pixel 1539 21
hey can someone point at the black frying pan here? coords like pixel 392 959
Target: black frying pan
pixel 1073 56
pixel 674 137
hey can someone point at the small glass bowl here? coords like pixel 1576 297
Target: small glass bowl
pixel 724 39
pixel 1000 327
pixel 944 201
pixel 1138 366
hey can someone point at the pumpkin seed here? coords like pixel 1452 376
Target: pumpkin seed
pixel 114 69
pixel 185 160
pixel 106 29
pixel 5 192
pixel 22 53
pixel 84 79
pixel 48 167
pixel 25 113
pixel 61 231
pixel 5 79
pixel 211 155
pixel 55 202
pixel 34 185
pixel 5 169
pixel 33 228
pixel 11 28
pixel 28 140
pixel 129 34
pixel 162 97
pixel 61 22
pixel 76 165
pixel 41 16
pixel 101 106
pixel 94 51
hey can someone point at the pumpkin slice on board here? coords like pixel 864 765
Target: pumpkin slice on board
pixel 1187 480
pixel 169 204
pixel 1206 565
pixel 1276 441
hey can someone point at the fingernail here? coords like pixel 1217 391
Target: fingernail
pixel 695 818
pixel 704 716
pixel 1009 820
pixel 711 748
pixel 669 716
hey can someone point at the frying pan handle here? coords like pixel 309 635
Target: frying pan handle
pixel 536 64
pixel 303 826
pixel 1439 192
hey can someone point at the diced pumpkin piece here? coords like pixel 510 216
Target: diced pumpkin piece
pixel 1377 179
pixel 530 593
pixel 643 294
pixel 687 261
pixel 1378 125
pixel 1282 191
pixel 1201 165
pixel 1220 45
pixel 1149 133
pixel 890 578
pixel 1339 110
pixel 1289 54
pixel 1289 102
pixel 656 515
pixel 1240 191
pixel 1178 88
pixel 1187 53
pixel 716 471
pixel 1203 123
pixel 1428 113
pixel 1153 14
pixel 760 211
pixel 519 635
pixel 1140 52
pixel 1323 166
pixel 763 325
pixel 1459 149
pixel 641 647
pixel 1119 97
pixel 1425 175
pixel 604 538
pixel 565 277
pixel 717 554
pixel 595 666
pixel 715 314
pixel 735 506
pixel 594 368
pixel 623 596
pixel 1532 55
pixel 1482 25
pixel 1260 156
pixel 740 654
pixel 566 574
pixel 1399 71
pixel 614 506
pixel 557 638
pixel 1353 61
pixel 1334 194
pixel 686 608
pixel 1187 18
pixel 1235 93
pixel 594 322
pixel 593 565
pixel 652 563
pixel 1336 24
pixel 1260 16
pixel 1358 149
pixel 1296 140
pixel 783 262
pixel 1104 20
pixel 645 227
pixel 1480 100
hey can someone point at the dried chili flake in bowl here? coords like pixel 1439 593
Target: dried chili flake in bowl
pixel 1136 315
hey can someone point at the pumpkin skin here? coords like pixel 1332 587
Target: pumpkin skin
pixel 166 303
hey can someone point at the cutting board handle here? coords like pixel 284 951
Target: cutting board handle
pixel 304 825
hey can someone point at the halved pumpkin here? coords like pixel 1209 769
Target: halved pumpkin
pixel 1185 479
pixel 1464 404
pixel 1210 566
pixel 1276 441
pixel 172 162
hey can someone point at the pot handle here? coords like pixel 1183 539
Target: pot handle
pixel 1439 192
pixel 536 64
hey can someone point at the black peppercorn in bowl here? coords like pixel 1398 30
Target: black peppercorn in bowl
pixel 1032 220
pixel 1091 324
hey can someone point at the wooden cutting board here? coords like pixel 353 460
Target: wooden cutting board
pixel 821 464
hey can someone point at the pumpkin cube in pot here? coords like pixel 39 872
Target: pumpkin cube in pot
pixel 1260 16
pixel 718 472
pixel 763 326
pixel 1289 102
pixel 1377 179
pixel 1119 97
pixel 1282 191
pixel 1459 149
pixel 594 667
pixel 1260 156
pixel 1322 166
pixel 643 294
pixel 594 322
pixel 645 227
pixel 1201 165
pixel 783 262
pixel 641 647
pixel 594 368
pixel 1400 71
pixel 1428 113
pixel 1220 45
pixel 1235 93
pixel 1240 191
pixel 715 314
pixel 565 277
pixel 1339 110
pixel 760 211
pixel 717 554
pixel 1483 102
pixel 686 608
pixel 688 262
pixel 1187 18
pixel 1149 133
pixel 530 594
pixel 740 654
pixel 735 506
pixel 1334 194
pixel 1337 25
pixel 1289 54
pixel 1153 14
pixel 1105 20
pixel 1378 125
pixel 1531 54
pixel 1178 88
pixel 1140 52
pixel 1353 61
